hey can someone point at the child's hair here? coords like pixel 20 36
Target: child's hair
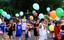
pixel 62 27
pixel 57 22
pixel 41 20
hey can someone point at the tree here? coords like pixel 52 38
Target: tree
pixel 23 5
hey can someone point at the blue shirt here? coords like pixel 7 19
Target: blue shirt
pixel 62 32
pixel 3 26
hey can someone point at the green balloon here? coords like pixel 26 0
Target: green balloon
pixel 59 12
pixel 1 10
pixel 33 11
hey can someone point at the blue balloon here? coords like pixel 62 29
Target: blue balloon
pixel 48 9
pixel 17 15
pixel 4 14
pixel 41 16
pixel 21 13
pixel 36 6
pixel 8 16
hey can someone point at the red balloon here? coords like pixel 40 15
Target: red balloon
pixel 49 13
pixel 35 14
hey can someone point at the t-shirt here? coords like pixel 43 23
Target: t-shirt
pixel 24 26
pixel 42 33
pixel 62 32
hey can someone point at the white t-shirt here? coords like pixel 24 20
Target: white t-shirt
pixel 42 33
pixel 24 26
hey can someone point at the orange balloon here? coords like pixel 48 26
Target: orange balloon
pixel 53 14
pixel 31 17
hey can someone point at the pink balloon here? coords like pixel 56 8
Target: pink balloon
pixel 57 19
pixel 49 13
pixel 35 14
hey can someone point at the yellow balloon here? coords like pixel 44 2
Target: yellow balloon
pixel 31 17
pixel 51 28
pixel 51 18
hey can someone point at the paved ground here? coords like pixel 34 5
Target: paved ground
pixel 32 37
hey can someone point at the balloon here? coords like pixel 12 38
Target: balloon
pixel 35 14
pixel 8 16
pixel 36 6
pixel 17 15
pixel 59 12
pixel 31 17
pixel 1 10
pixel 33 11
pixel 41 16
pixel 0 21
pixel 53 14
pixel 4 14
pixel 48 9
pixel 63 13
pixel 51 28
pixel 51 18
pixel 49 13
pixel 57 19
pixel 21 13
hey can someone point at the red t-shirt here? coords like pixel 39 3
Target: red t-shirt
pixel 56 31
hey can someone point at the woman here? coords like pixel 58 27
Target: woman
pixel 36 30
pixel 18 29
pixel 56 30
pixel 42 30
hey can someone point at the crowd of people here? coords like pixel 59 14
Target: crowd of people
pixel 22 27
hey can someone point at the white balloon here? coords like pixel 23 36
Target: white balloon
pixel 36 6
pixel 17 15
pixel 21 13
pixel 48 9
pixel 41 16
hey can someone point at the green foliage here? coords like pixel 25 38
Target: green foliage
pixel 14 6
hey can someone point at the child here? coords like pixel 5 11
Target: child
pixel 56 30
pixel 3 25
pixel 62 32
pixel 10 28
pixel 18 29
pixel 42 30
pixel 27 35
pixel 36 29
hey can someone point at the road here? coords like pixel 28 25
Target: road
pixel 32 36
